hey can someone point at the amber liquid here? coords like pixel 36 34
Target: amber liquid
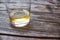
pixel 20 20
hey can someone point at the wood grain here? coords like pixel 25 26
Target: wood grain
pixel 20 38
pixel 42 24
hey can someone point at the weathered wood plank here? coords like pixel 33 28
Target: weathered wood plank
pixel 41 25
pixel 21 38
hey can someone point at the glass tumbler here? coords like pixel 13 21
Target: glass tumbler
pixel 20 16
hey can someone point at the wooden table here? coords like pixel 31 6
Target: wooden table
pixel 41 25
pixel 21 38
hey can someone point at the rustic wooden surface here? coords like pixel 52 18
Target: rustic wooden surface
pixel 42 24
pixel 21 38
